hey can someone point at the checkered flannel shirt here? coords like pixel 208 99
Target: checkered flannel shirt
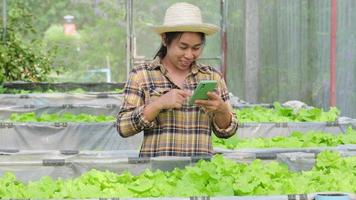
pixel 174 132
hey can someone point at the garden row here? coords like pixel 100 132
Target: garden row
pixel 65 145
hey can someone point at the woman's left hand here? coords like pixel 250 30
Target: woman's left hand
pixel 214 104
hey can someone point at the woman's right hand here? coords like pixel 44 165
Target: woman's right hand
pixel 173 99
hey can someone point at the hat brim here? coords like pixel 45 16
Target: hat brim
pixel 208 29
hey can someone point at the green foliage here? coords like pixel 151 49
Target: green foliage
pixel 219 177
pixel 21 59
pixel 295 140
pixel 66 117
pixel 105 42
pixel 66 47
pixel 100 42
pixel 285 114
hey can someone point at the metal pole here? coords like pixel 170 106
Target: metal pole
pixel 223 37
pixel 4 20
pixel 129 36
pixel 333 29
pixel 251 51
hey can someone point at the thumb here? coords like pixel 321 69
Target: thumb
pixel 213 96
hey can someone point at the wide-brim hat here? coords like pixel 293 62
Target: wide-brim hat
pixel 184 17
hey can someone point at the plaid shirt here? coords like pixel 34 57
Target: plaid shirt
pixel 174 132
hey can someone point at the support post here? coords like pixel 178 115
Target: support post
pixel 251 50
pixel 333 30
pixel 223 37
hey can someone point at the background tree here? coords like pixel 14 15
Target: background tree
pixel 22 59
pixel 100 42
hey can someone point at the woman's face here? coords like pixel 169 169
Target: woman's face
pixel 184 50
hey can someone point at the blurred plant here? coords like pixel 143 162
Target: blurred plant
pixel 99 43
pixel 21 59
pixel 66 47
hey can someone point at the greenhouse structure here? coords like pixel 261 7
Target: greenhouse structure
pixel 95 99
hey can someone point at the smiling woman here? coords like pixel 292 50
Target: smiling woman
pixel 180 52
pixel 172 126
pixel 168 38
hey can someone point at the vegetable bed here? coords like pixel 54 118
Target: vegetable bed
pixel 219 177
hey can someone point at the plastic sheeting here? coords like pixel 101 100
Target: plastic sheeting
pixel 32 165
pixel 292 51
pixel 272 153
pixel 247 130
pixel 65 136
pixel 104 136
pixel 109 109
pixel 72 164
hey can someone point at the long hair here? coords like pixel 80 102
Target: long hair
pixel 170 36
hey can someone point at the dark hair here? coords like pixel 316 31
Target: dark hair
pixel 170 36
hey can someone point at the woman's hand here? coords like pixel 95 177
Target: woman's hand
pixel 220 109
pixel 173 99
pixel 214 104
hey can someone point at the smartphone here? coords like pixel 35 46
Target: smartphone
pixel 201 92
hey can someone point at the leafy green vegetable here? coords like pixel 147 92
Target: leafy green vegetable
pixel 285 114
pixel 219 177
pixel 296 140
pixel 66 117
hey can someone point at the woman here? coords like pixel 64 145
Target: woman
pixel 157 93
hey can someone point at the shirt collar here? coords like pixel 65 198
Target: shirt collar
pixel 156 63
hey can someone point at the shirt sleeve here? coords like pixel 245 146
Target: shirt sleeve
pixel 232 128
pixel 130 120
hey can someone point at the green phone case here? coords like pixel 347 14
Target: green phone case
pixel 202 89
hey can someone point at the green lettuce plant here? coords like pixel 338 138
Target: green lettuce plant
pixel 295 140
pixel 284 114
pixel 66 117
pixel 219 177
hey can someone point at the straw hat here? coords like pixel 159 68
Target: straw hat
pixel 184 17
